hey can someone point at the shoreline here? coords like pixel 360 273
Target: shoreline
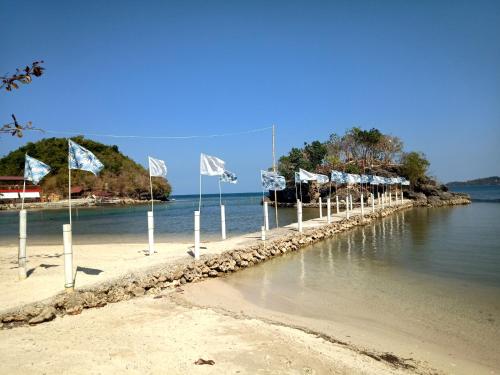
pixel 169 268
pixel 77 203
pixel 162 283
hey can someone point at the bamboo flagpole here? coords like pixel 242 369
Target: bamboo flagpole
pixel 151 189
pixel 78 158
pixel 34 171
pixel 274 170
pixel 69 189
pixel 157 168
pixel 24 193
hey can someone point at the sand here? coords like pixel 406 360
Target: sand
pixel 158 336
pixel 96 263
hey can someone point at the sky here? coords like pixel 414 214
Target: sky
pixel 425 71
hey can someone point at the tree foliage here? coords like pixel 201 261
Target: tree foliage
pixel 120 175
pixel 356 151
pixel 414 166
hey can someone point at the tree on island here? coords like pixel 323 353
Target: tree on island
pixel 9 82
pixel 121 175
pixel 414 166
pixel 357 151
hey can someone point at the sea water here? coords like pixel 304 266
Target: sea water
pixel 424 282
pixel 174 220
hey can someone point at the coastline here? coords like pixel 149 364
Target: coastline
pixel 80 202
pixel 165 280
pixel 137 274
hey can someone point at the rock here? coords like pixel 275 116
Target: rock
pixel 13 318
pixel 93 300
pixel 117 294
pixel 183 280
pixel 162 278
pixel 213 273
pixel 47 314
pixel 138 291
pixel 74 304
pixel 31 311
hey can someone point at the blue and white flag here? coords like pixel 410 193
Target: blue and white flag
pixel 81 158
pixel 272 181
pixel 376 180
pixel 337 177
pixel 365 179
pixel 394 180
pixel 297 178
pixel 229 177
pixel 351 178
pixel 322 179
pixel 34 170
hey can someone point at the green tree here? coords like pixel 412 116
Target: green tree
pixel 315 152
pixel 414 165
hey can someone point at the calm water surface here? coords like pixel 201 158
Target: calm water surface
pixel 173 221
pixel 427 276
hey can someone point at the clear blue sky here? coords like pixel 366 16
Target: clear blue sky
pixel 426 71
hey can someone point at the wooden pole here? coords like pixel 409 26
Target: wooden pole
pixel 274 170
pixel 328 210
pixel 69 197
pixel 151 187
pixel 299 215
pixel 266 215
pixel 197 235
pixel 24 193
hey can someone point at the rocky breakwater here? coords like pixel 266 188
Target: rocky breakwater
pixel 432 194
pixel 166 277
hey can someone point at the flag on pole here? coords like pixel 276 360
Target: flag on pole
pixel 229 177
pixel 337 177
pixel 365 179
pixel 376 180
pixel 211 165
pixel 349 178
pixel 81 158
pixel 272 181
pixel 394 180
pixel 297 178
pixel 157 168
pixel 322 179
pixel 307 176
pixel 34 170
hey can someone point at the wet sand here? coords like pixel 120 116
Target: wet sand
pixel 158 336
pixel 97 263
pixel 449 343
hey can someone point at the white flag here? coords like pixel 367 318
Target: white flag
pixel 157 168
pixel 211 166
pixel 307 176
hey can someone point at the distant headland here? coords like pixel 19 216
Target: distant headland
pixel 493 180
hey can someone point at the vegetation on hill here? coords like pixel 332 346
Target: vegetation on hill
pixel 493 180
pixel 357 151
pixel 121 176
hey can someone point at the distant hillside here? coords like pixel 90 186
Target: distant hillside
pixel 494 180
pixel 121 175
